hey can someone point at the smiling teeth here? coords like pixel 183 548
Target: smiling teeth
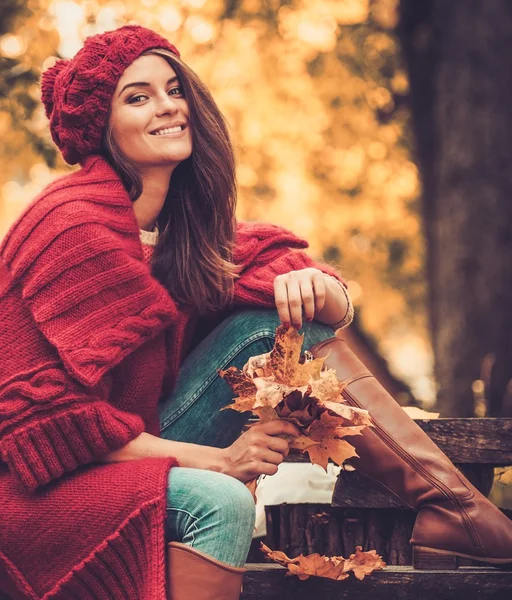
pixel 171 130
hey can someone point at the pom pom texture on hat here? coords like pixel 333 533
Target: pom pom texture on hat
pixel 77 93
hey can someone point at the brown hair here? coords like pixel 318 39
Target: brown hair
pixel 194 254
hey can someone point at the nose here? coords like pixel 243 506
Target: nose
pixel 166 105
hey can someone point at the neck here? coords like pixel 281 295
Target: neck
pixel 147 207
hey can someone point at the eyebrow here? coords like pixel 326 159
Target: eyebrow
pixel 144 84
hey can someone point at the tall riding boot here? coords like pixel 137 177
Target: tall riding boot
pixel 454 519
pixel 196 576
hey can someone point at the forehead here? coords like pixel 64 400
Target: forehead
pixel 151 68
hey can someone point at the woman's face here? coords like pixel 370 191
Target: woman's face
pixel 149 115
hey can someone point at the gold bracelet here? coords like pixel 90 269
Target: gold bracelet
pixel 349 315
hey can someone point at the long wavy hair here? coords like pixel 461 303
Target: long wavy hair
pixel 193 258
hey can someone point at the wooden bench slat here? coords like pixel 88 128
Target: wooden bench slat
pixel 486 441
pixel 268 582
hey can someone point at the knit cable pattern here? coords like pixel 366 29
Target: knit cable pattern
pixel 89 295
pixel 77 93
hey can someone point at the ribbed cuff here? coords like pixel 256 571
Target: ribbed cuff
pixel 46 449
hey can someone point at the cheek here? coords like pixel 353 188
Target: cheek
pixel 127 127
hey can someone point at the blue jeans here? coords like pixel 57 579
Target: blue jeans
pixel 210 511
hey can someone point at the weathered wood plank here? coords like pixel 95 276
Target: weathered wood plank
pixel 268 582
pixel 354 490
pixel 486 441
pixel 307 528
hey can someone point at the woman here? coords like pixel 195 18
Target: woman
pixel 121 293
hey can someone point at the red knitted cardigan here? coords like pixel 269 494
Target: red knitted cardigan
pixel 86 336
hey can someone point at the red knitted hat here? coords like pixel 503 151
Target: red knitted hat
pixel 76 93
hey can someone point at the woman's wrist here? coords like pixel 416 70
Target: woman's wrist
pixel 338 310
pixel 193 456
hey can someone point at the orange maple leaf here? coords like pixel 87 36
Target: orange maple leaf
pixel 333 567
pixel 364 563
pixel 328 432
pixel 243 386
pixel 285 356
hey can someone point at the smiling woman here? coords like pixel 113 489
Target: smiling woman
pixel 124 288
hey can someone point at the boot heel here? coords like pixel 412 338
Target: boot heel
pixel 427 558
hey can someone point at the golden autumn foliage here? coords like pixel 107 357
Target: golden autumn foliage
pixel 313 91
pixel 277 385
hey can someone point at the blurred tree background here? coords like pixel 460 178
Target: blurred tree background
pixel 318 98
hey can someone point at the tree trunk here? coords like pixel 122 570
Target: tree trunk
pixel 461 95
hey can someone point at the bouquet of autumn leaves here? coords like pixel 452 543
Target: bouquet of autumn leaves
pixel 279 385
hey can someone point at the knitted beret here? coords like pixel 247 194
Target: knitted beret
pixel 76 93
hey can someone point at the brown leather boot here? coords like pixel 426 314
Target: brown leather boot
pixel 454 518
pixel 196 576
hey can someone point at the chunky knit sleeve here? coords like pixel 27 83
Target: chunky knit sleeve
pixel 266 251
pixel 75 300
pixel 87 288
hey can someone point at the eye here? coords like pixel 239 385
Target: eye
pixel 136 98
pixel 176 89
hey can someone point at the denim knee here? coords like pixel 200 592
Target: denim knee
pixel 262 323
pixel 250 322
pixel 253 323
pixel 212 512
pixel 234 503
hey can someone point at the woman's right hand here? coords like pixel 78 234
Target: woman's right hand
pixel 259 450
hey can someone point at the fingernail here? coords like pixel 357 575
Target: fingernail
pixel 308 320
pixel 286 325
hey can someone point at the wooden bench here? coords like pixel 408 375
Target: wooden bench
pixel 364 513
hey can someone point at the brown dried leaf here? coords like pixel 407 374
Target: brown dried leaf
pixel 327 387
pixel 364 563
pixel 334 567
pixel 258 366
pixel 328 433
pixel 302 443
pixel 350 414
pixel 266 414
pixel 299 409
pixel 275 555
pixel 242 386
pixel 285 356
pixel 321 566
pixel 271 393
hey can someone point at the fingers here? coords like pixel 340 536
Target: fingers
pixel 288 299
pixel 274 458
pixel 281 300
pixel 278 427
pixel 320 290
pixel 278 445
pixel 299 292
pixel 294 301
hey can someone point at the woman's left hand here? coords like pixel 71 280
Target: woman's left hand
pixel 298 290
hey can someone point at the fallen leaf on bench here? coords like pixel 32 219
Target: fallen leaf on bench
pixel 331 567
pixel 364 563
pixel 277 385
